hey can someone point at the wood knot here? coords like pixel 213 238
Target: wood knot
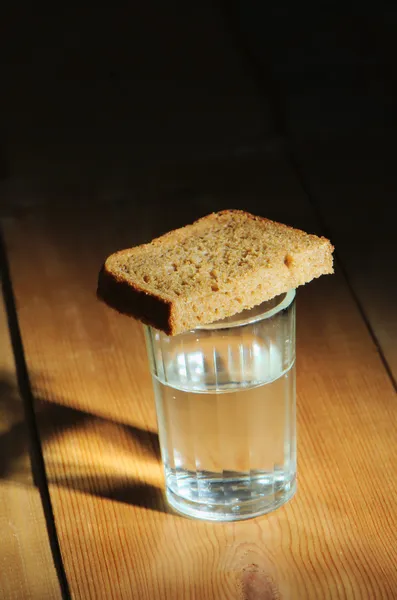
pixel 256 584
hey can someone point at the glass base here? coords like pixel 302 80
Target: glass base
pixel 242 504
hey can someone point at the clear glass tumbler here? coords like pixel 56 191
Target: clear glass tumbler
pixel 226 410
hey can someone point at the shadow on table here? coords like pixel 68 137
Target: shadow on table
pixel 14 437
pixel 55 418
pixel 17 441
pixel 123 489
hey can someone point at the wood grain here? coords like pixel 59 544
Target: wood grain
pixel 354 184
pixel 335 540
pixel 27 571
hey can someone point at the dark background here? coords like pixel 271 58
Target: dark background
pixel 91 95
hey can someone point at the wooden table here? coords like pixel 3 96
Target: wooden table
pixel 95 524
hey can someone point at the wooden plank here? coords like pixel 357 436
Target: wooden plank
pixel 354 184
pixel 335 539
pixel 27 570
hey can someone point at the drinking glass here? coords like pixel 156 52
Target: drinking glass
pixel 226 410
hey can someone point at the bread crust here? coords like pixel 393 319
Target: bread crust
pixel 129 299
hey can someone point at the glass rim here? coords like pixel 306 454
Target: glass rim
pixel 238 320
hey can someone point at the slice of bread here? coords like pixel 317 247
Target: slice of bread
pixel 220 265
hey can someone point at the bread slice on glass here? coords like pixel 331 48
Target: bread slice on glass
pixel 214 268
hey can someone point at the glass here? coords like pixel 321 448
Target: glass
pixel 226 410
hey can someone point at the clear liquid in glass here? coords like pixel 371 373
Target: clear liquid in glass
pixel 227 429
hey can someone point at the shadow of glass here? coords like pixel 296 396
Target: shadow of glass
pixel 55 419
pixel 119 488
